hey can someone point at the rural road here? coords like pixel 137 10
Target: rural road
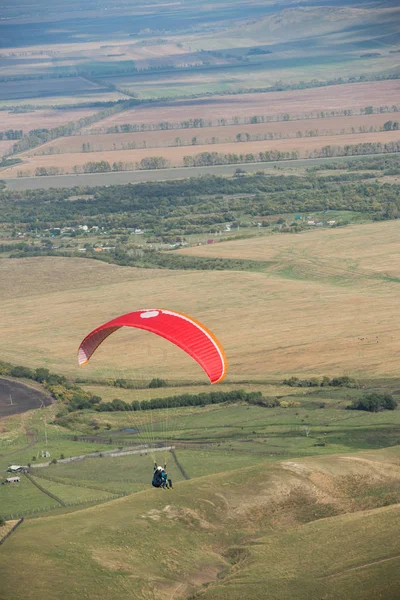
pixel 125 177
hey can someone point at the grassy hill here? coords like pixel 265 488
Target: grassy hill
pixel 324 302
pixel 309 528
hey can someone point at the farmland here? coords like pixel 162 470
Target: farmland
pixel 214 135
pixel 73 85
pixel 294 131
pixel 297 103
pixel 69 163
pixel 35 119
pixel 17 398
pixel 126 177
pixel 264 142
pixel 358 251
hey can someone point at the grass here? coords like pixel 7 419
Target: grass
pixel 108 393
pixel 208 440
pixel 276 509
pixel 23 498
pixel 337 279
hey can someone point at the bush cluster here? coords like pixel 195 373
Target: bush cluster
pixel 343 381
pixel 188 400
pixel 374 402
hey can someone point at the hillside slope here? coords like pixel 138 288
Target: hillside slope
pixel 308 528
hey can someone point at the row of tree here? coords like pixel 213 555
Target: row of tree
pixel 188 400
pixel 11 134
pixel 205 159
pixel 36 137
pixel 200 123
pixel 343 381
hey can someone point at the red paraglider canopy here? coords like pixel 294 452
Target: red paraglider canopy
pixel 183 331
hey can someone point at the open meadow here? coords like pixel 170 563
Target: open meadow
pixel 354 252
pixel 317 312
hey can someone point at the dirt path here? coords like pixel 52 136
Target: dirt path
pixel 365 566
pixel 31 437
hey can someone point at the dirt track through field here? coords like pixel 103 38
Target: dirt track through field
pixel 369 564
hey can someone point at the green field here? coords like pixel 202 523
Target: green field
pixel 208 440
pixel 222 530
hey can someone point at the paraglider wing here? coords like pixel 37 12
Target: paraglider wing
pixel 183 331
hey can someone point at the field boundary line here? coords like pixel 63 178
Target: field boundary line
pixel 178 464
pixel 42 489
pixel 17 524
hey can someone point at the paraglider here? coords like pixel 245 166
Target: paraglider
pixel 183 331
pixel 160 478
pixel 179 329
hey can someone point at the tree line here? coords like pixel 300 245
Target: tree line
pixel 11 134
pixel 36 137
pixel 209 159
pixel 199 204
pixel 202 399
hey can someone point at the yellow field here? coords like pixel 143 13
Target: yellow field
pixel 354 252
pixel 67 162
pixel 315 311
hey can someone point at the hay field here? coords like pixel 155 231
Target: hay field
pixel 307 314
pixel 356 251
pixel 175 155
pixel 299 102
pixel 212 135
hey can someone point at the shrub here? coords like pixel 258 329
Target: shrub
pixel 157 383
pixel 374 402
pixel 289 404
pixel 343 381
